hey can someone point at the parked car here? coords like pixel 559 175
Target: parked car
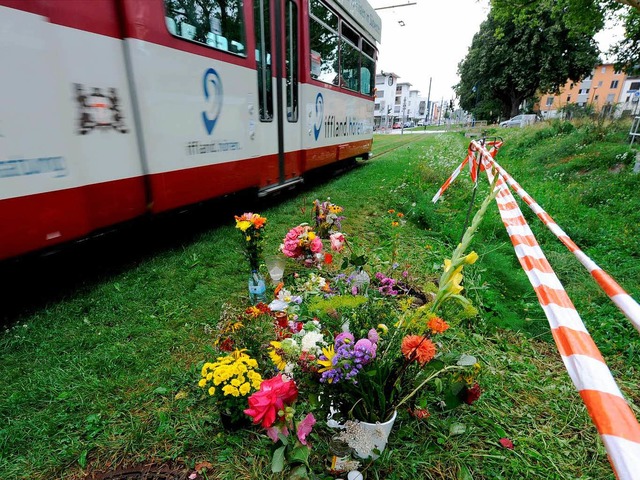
pixel 408 124
pixel 519 121
pixel 397 125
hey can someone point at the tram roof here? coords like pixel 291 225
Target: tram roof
pixel 364 15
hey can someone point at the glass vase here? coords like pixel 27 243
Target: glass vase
pixel 257 288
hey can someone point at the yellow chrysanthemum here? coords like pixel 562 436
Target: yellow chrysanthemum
pixel 245 388
pixel 202 383
pixel 212 390
pixel 230 390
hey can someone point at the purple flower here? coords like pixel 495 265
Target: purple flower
pixel 373 335
pixel 343 338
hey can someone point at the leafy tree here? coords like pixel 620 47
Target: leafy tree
pixel 627 51
pixel 589 13
pixel 510 60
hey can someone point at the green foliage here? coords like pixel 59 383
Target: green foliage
pixel 107 376
pixel 514 56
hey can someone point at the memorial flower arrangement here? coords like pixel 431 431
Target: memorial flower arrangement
pixel 304 245
pixel 230 380
pixel 327 217
pixel 332 349
pixel 252 225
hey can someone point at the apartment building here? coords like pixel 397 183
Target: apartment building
pixel 396 102
pixel 602 89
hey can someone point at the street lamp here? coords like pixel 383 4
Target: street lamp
pixel 404 107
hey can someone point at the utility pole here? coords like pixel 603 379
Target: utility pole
pixel 404 108
pixel 426 117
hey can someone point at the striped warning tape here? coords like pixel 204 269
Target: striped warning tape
pixel 453 176
pixel 616 293
pixel 614 420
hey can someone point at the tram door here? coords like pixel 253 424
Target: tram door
pixel 277 31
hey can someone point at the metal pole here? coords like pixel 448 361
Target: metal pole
pixel 426 117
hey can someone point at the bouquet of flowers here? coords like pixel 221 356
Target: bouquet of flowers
pixel 230 379
pixel 327 217
pixel 301 243
pixel 252 227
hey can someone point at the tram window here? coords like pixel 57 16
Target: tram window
pixel 324 43
pixel 349 59
pixel 367 68
pixel 291 37
pixel 216 23
pixel 262 17
pixel 320 11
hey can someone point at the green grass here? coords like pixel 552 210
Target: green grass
pixel 106 376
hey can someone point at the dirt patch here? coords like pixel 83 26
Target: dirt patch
pixel 143 473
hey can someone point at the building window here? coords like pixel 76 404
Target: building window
pixel 614 84
pixel 604 70
pixel 610 98
pixel 634 86
pixel 595 98
pixel 600 83
pixel 215 23
pixel 568 98
pixel 549 101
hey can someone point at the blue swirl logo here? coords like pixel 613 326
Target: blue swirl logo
pixel 317 124
pixel 212 86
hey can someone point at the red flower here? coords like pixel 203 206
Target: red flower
pixel 437 325
pixel 227 344
pixel 328 258
pixel 472 394
pixel 506 443
pixel 416 347
pixel 274 395
pixel 419 413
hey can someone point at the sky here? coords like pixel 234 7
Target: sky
pixel 435 37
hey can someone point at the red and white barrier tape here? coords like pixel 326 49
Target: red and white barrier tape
pixel 453 176
pixel 622 299
pixel 614 420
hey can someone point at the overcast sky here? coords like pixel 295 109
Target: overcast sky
pixel 435 37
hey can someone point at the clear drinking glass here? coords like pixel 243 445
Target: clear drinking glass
pixel 275 266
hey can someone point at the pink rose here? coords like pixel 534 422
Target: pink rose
pixel 274 395
pixel 316 245
pixel 337 241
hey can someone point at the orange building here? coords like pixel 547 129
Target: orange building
pixel 601 89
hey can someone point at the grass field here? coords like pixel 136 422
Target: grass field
pixel 100 344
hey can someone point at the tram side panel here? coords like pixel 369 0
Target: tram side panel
pixel 68 152
pixel 201 129
pixel 339 125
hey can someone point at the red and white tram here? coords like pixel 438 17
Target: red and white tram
pixel 111 109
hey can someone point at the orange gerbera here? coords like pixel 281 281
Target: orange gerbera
pixel 437 325
pixel 416 347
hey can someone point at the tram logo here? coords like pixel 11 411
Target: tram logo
pixel 319 120
pixel 212 85
pixel 98 110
